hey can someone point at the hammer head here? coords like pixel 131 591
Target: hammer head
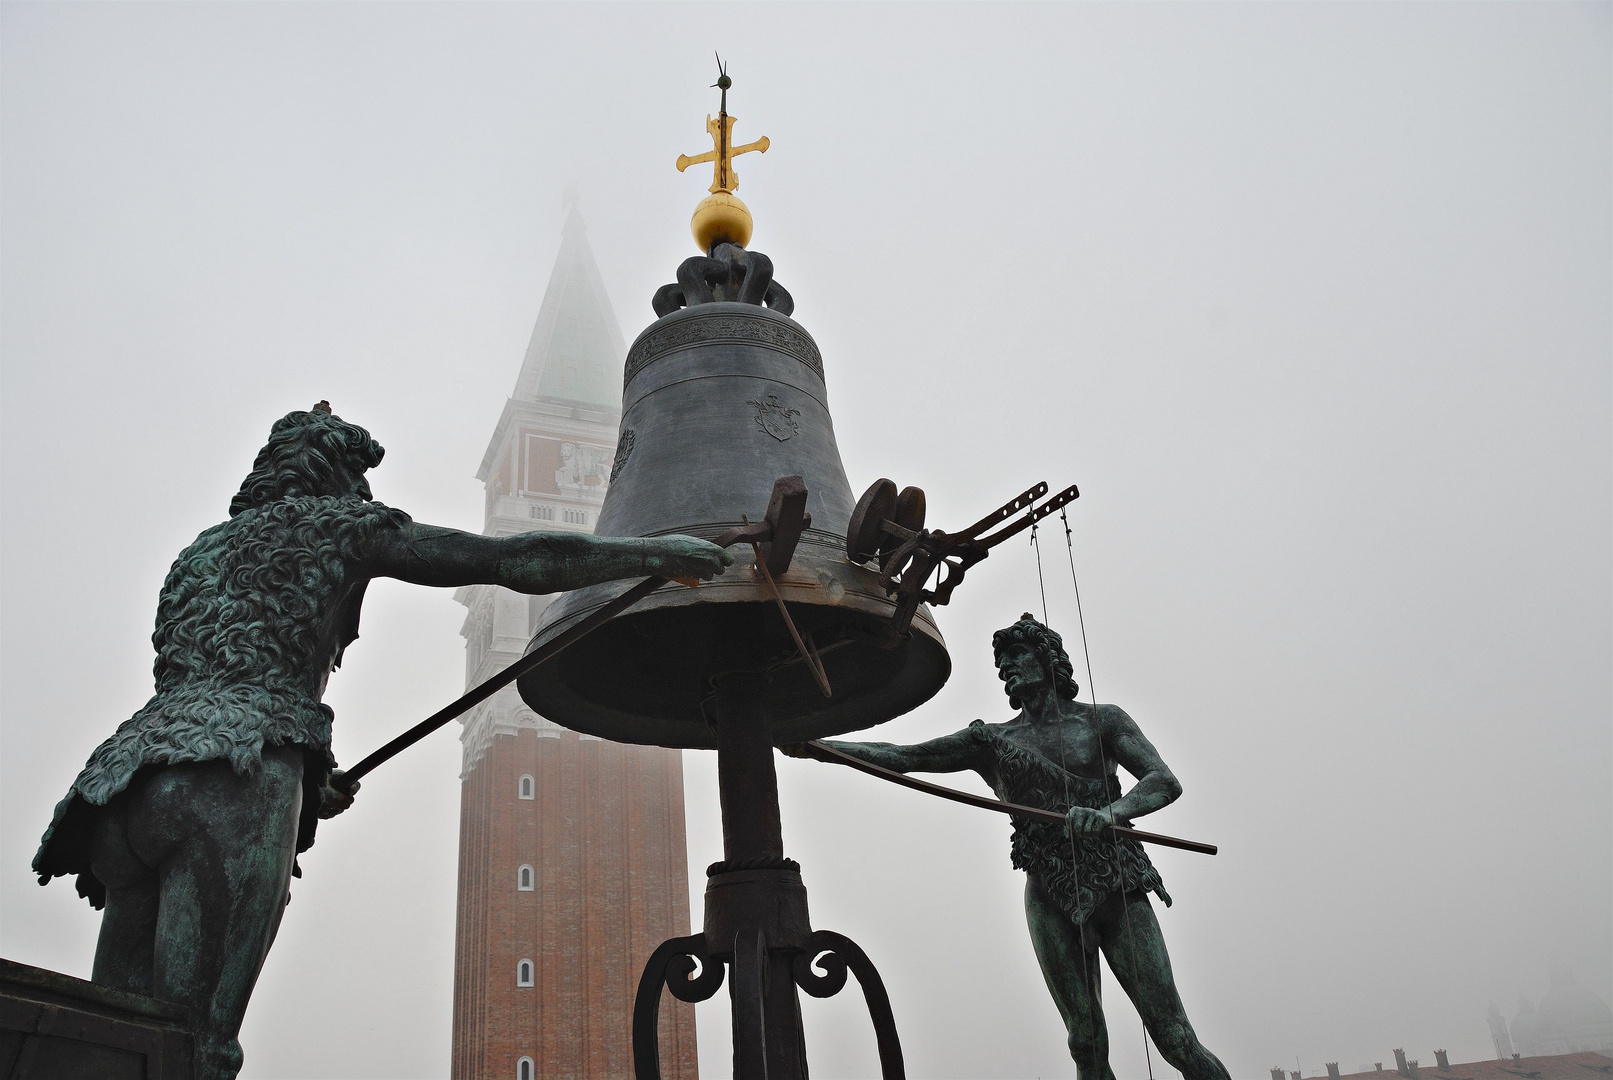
pixel 779 530
pixel 786 520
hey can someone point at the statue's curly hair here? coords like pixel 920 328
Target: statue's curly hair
pixel 301 458
pixel 1049 647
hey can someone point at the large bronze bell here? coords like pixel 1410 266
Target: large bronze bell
pixel 721 398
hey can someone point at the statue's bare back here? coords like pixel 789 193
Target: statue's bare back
pixel 185 824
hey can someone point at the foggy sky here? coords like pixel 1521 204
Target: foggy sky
pixel 1311 300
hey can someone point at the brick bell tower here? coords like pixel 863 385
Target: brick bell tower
pixel 572 860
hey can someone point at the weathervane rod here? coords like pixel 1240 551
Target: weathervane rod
pixel 723 152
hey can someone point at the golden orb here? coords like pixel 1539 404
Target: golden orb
pixel 720 219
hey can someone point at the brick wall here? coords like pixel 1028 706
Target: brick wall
pixel 605 836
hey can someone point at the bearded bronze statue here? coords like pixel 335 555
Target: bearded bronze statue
pixel 186 824
pixel 1086 890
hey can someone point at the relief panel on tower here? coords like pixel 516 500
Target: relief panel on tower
pixel 568 468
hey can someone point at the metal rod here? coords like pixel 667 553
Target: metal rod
pixel 810 658
pixel 985 803
pixel 1003 512
pixel 747 779
pixel 1068 495
pixel 498 682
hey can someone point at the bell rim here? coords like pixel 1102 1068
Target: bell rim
pixel 862 601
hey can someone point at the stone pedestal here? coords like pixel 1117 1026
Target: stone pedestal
pixel 56 1027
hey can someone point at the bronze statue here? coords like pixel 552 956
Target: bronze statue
pixel 185 825
pixel 1085 891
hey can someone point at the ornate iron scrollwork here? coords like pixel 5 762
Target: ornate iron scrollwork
pixel 820 969
pixel 671 966
pixel 826 985
pixel 834 954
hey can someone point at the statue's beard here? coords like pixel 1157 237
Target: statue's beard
pixel 1017 684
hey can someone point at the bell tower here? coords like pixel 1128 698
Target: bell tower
pixel 572 858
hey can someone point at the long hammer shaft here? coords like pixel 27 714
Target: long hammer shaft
pixel 829 753
pixel 498 682
pixel 780 530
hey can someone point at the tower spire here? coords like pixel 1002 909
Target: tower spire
pixel 575 352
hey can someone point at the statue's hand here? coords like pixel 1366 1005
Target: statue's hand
pixel 336 794
pixel 801 750
pixel 684 556
pixel 1083 820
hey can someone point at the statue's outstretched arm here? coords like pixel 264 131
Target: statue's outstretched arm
pixel 536 562
pixel 950 753
pixel 1156 785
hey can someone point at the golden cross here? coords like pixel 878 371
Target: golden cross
pixel 722 153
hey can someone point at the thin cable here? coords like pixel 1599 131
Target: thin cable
pixel 1080 616
pixel 1086 652
pixel 1064 775
pixel 1039 583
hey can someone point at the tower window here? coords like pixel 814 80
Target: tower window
pixel 576 517
pixel 528 788
pixel 525 879
pixel 525 1069
pixel 523 973
pixel 542 513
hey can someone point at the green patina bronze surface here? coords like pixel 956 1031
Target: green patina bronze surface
pixel 185 825
pixel 1085 893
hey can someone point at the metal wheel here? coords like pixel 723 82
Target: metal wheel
pixel 863 535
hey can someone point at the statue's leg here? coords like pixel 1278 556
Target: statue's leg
pixel 223 845
pixel 126 949
pixel 1135 948
pixel 1071 971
